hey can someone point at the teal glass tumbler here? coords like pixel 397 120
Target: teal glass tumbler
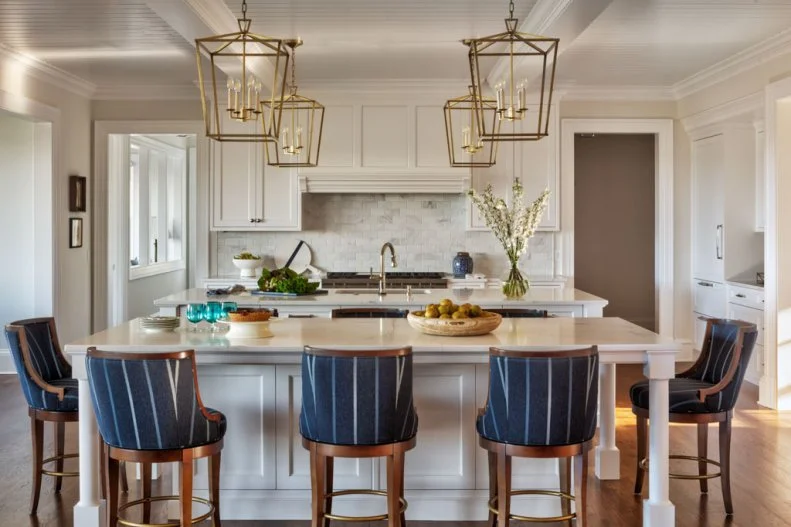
pixel 213 314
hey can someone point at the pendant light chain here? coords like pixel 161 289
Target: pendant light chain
pixel 511 9
pixel 294 69
pixel 244 9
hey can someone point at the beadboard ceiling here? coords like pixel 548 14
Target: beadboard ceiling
pixel 116 44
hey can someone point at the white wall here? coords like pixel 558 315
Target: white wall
pixel 143 291
pixel 16 220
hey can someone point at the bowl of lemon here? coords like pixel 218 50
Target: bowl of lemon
pixel 450 320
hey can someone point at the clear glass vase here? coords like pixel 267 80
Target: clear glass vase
pixel 516 285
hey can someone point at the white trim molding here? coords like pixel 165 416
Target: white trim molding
pixel 616 93
pixel 44 72
pixel 774 384
pixel 662 129
pixel 747 108
pixel 745 60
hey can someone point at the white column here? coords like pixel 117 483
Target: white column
pixel 608 457
pixel 658 511
pixel 89 511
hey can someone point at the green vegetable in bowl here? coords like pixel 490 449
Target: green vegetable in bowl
pixel 246 255
pixel 285 281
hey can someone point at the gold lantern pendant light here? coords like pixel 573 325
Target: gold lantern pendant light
pixel 232 110
pixel 505 53
pixel 466 147
pixel 302 121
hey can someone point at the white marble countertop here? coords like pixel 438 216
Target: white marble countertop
pixel 613 336
pixel 483 297
pixel 746 282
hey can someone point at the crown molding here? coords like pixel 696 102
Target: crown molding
pixel 543 14
pixel 147 92
pixel 745 108
pixel 46 73
pixel 320 181
pixel 746 59
pixel 616 93
pixel 445 87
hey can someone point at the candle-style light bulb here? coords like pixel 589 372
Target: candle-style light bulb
pixel 284 140
pixel 298 142
pixel 237 87
pixel 521 93
pixel 250 90
pixel 465 138
pixel 229 84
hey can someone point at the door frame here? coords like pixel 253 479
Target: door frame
pixel 662 130
pixel 109 287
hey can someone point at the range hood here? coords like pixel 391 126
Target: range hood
pixel 407 181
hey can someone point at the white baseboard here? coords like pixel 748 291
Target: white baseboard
pixel 687 353
pixel 6 362
pixel 436 505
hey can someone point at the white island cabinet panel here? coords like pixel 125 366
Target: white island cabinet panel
pixel 248 459
pixel 444 457
pixel 293 461
pixel 385 136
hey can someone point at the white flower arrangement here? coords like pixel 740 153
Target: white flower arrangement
pixel 515 226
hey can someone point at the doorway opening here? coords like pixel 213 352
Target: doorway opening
pixel 614 223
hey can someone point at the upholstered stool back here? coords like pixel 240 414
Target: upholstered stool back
pixel 43 371
pixel 150 401
pixel 541 398
pixel 353 397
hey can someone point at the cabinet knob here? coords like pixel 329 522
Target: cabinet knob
pixel 705 284
pixel 739 295
pixel 259 220
pixel 252 220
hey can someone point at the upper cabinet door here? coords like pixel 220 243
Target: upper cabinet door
pixel 534 162
pixel 708 205
pixel 233 170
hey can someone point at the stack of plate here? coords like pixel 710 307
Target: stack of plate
pixel 158 323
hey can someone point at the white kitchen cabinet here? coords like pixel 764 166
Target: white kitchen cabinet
pixel 249 408
pixel 247 194
pixel 746 303
pixel 376 142
pixel 536 163
pixel 293 461
pixel 725 243
pixel 760 177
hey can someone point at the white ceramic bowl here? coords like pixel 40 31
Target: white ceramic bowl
pixel 248 267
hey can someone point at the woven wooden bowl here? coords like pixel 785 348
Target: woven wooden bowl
pixel 464 327
pixel 249 315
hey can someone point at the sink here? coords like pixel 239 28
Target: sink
pixel 373 291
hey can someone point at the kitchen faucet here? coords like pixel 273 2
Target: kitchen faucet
pixel 382 274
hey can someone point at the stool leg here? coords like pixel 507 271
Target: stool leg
pixel 564 469
pixel 60 436
pixel 145 477
pixel 581 487
pixel 214 487
pixel 492 522
pixel 725 461
pixel 329 468
pixel 642 452
pixel 124 479
pixel 186 472
pixel 111 487
pixel 317 487
pixel 703 452
pixel 37 436
pixel 395 471
pixel 503 490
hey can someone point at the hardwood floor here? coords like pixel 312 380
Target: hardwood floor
pixel 761 477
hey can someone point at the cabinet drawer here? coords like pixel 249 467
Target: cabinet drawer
pixel 746 296
pixel 749 314
pixel 710 298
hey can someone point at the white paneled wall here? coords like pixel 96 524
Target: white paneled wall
pixel 346 231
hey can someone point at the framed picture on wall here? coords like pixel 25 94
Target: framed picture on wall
pixel 77 186
pixel 75 232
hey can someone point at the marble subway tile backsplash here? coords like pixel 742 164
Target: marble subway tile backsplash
pixel 346 231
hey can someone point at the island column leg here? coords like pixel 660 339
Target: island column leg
pixel 608 457
pixel 89 511
pixel 658 510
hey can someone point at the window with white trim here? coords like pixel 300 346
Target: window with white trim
pixel 157 214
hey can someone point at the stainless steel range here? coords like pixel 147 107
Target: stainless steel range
pixel 394 279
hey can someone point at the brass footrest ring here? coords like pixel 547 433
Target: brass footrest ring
pixel 672 475
pixel 532 519
pixel 380 517
pixel 60 474
pixel 122 521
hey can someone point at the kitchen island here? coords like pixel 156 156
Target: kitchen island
pixel 257 384
pixel 560 302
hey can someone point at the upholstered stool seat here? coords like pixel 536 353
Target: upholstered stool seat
pixel 358 404
pixel 149 410
pixel 705 393
pixel 541 404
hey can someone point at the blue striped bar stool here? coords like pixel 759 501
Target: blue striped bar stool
pixel 542 404
pixel 357 403
pixel 705 393
pixel 50 391
pixel 149 410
